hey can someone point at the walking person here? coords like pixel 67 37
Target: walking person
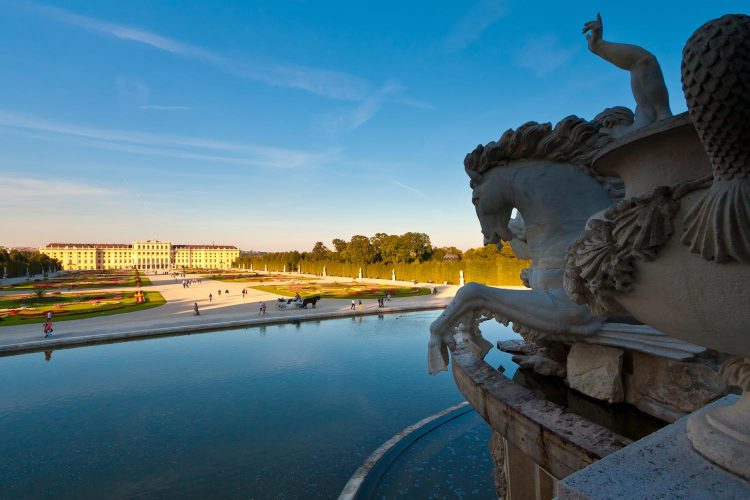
pixel 262 310
pixel 195 309
pixel 354 305
pixel 47 328
pixel 360 304
pixel 210 297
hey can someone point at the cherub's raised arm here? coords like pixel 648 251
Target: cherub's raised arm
pixel 647 80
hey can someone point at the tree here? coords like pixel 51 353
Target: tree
pixel 414 246
pixel 489 252
pixel 339 245
pixel 360 250
pixel 389 246
pixel 319 252
pixel 377 242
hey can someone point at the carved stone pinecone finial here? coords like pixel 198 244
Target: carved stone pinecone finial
pixel 716 82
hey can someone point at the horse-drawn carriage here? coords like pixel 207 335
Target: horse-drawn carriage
pixel 297 302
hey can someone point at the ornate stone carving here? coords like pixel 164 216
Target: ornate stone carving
pixel 699 299
pixel 535 161
pixel 601 263
pixel 716 82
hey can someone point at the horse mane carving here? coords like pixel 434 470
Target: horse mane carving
pixel 572 140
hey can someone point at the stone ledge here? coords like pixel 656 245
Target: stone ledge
pixel 661 465
pixel 555 439
pixel 124 335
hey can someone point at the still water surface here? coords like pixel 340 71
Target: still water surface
pixel 286 411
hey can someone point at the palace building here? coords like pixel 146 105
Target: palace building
pixel 142 255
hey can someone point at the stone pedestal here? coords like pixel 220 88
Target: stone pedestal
pixel 661 465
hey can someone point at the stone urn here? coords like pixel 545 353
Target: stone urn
pixel 675 254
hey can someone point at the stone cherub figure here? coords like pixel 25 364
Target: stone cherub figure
pixel 646 78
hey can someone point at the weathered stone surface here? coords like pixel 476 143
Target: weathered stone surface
pixel 497 452
pixel 516 346
pixel 548 361
pixel 670 389
pixel 541 365
pixel 661 465
pixel 596 371
pixel 557 440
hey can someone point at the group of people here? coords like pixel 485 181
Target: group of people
pixel 188 282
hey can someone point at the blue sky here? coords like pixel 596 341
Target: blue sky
pixel 272 125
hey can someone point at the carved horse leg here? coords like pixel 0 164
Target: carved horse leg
pixel 533 314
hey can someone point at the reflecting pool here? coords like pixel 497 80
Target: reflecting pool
pixel 284 411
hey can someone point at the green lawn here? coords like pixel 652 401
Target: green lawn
pixel 81 279
pixel 23 309
pixel 350 290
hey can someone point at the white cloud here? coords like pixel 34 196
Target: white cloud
pixel 131 92
pixel 371 105
pixel 337 85
pixel 467 29
pixel 409 188
pixel 135 93
pixel 346 121
pixel 544 54
pixel 193 148
pixel 327 83
pixel 14 189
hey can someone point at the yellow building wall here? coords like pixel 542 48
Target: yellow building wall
pixel 142 255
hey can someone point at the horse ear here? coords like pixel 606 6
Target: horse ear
pixel 475 176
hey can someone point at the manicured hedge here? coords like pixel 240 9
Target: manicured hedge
pixel 497 272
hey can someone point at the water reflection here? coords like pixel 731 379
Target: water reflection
pixel 48 355
pixel 219 415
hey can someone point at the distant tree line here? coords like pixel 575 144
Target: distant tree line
pixel 16 262
pixel 411 255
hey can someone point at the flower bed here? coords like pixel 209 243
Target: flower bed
pixel 28 308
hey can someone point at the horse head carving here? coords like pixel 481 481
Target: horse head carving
pixel 542 172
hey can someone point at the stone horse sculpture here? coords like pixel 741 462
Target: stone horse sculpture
pixel 543 173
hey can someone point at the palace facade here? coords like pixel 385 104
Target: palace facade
pixel 142 255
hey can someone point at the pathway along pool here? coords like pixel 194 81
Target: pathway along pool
pixel 285 411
